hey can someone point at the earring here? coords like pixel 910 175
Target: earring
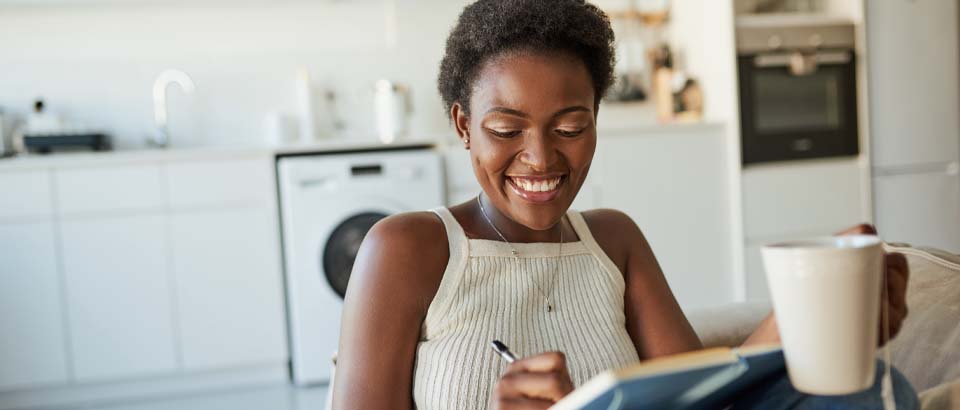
pixel 466 142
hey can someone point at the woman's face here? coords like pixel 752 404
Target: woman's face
pixel 531 133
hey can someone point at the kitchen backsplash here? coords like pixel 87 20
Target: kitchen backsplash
pixel 95 63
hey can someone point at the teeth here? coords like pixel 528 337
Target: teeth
pixel 537 185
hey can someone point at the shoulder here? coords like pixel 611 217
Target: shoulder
pixel 615 232
pixel 606 220
pixel 409 229
pixel 405 253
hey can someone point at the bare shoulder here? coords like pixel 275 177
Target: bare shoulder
pixel 405 253
pixel 615 232
pixel 410 229
pixel 605 220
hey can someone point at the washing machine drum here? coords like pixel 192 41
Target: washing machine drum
pixel 341 249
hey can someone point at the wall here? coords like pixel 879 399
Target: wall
pixel 95 63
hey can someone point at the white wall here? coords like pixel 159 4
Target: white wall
pixel 95 63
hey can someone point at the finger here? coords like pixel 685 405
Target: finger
pixel 896 289
pixel 861 229
pixel 543 362
pixel 898 276
pixel 895 320
pixel 523 403
pixel 898 261
pixel 550 386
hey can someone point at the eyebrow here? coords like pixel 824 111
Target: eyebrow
pixel 521 114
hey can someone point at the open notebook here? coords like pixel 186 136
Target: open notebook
pixel 701 379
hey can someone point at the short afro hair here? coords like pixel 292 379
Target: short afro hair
pixel 487 29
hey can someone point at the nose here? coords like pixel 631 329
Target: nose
pixel 539 152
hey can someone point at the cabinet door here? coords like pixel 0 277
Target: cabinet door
pixel 32 348
pixel 103 190
pixel 229 287
pixel 118 291
pixel 25 194
pixel 809 198
pixel 922 209
pixel 675 189
pixel 217 183
pixel 912 55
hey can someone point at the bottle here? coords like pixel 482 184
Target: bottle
pixel 663 84
pixel 305 113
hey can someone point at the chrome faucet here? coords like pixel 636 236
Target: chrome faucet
pixel 161 137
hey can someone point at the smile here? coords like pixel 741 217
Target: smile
pixel 536 189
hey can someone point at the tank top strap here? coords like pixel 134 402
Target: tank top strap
pixel 459 254
pixel 583 231
pixel 456 237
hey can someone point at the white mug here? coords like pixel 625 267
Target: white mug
pixel 826 296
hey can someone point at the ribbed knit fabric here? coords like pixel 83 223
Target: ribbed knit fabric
pixel 486 294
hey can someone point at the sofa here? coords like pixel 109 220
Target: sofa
pixel 927 350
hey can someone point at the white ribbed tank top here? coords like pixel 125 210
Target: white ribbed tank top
pixel 486 294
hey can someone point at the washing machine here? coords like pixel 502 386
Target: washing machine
pixel 328 203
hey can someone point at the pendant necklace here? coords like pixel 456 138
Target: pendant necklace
pixel 516 256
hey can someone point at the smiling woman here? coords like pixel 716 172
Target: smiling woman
pixel 572 294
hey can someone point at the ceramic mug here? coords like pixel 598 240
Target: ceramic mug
pixel 826 296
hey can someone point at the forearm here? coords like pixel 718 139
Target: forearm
pixel 766 333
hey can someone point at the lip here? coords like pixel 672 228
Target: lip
pixel 537 197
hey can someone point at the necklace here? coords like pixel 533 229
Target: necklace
pixel 516 255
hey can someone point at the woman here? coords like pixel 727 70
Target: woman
pixel 573 294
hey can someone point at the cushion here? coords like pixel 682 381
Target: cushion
pixel 943 397
pixel 927 350
pixel 728 325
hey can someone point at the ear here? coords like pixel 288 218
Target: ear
pixel 461 122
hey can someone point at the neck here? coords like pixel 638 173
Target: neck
pixel 514 231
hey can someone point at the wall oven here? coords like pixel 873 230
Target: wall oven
pixel 798 89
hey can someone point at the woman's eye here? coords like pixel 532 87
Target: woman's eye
pixel 569 133
pixel 504 134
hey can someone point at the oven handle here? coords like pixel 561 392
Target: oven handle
pixel 786 59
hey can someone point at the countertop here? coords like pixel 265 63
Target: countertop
pixel 154 155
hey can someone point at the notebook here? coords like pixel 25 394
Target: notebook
pixel 707 378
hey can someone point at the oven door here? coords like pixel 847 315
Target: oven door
pixel 796 106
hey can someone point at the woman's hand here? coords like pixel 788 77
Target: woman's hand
pixel 534 382
pixel 897 275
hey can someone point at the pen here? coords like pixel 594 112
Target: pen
pixel 503 351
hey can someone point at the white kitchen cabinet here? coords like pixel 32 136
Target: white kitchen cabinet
pixel 121 275
pixel 913 210
pixel 25 194
pixel 913 82
pixel 119 297
pixel 32 348
pixel 229 288
pixel 109 189
pixel 675 187
pixel 219 183
pixel 802 198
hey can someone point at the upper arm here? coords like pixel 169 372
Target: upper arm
pixel 395 276
pixel 655 322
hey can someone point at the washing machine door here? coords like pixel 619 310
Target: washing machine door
pixel 342 245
